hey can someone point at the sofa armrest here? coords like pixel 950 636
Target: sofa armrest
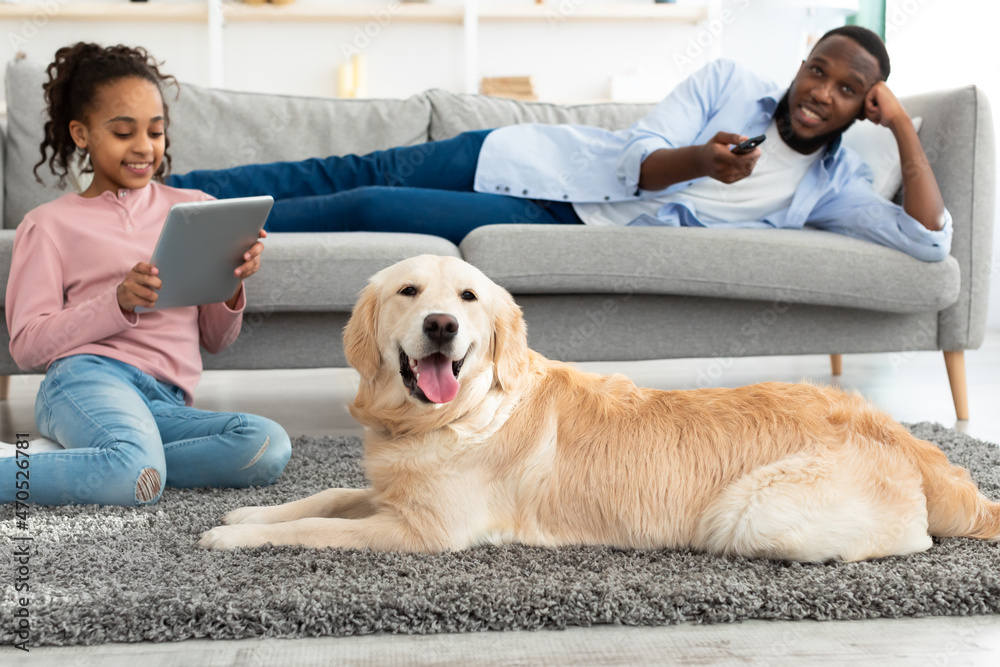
pixel 957 135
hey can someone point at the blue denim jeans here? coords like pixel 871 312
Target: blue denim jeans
pixel 423 189
pixel 125 432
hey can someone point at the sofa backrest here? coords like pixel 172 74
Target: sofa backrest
pixel 213 129
pixel 453 114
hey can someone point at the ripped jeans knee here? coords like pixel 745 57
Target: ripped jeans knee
pixel 148 486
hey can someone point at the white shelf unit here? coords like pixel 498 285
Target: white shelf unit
pixel 216 14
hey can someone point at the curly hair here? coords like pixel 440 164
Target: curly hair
pixel 74 77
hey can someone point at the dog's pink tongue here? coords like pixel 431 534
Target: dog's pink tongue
pixel 436 378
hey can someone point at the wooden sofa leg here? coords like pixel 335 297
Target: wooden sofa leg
pixel 954 361
pixel 836 364
pixel 4 387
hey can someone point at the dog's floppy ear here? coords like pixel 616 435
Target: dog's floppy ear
pixel 510 342
pixel 361 333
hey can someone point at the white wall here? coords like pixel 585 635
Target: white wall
pixel 571 60
pixel 933 43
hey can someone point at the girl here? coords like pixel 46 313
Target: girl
pixel 117 392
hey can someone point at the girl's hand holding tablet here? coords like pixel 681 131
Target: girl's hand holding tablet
pixel 139 287
pixel 248 268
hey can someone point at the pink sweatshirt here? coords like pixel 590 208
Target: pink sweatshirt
pixel 70 256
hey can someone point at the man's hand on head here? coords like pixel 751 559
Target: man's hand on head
pixel 882 107
pixel 719 162
pixel 921 194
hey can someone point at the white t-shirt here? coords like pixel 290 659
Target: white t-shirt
pixel 769 188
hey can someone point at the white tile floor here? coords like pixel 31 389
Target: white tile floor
pixel 911 387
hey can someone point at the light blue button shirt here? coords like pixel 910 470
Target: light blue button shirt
pixel 580 164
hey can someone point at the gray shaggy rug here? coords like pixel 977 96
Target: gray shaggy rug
pixel 110 574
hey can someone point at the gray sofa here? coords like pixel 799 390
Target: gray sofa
pixel 587 293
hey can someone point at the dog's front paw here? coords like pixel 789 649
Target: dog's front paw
pixel 246 515
pixel 232 537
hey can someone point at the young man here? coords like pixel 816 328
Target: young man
pixel 674 167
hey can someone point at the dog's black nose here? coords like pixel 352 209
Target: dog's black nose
pixel 440 327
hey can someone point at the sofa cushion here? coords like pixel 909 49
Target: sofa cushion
pixel 6 255
pixel 791 266
pixel 453 114
pixel 25 118
pixel 325 272
pixel 3 160
pixel 876 144
pixel 214 129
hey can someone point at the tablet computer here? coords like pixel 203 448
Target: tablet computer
pixel 201 246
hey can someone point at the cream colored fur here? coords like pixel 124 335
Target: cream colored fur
pixel 536 451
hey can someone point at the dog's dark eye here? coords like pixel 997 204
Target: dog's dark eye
pixel 468 295
pixel 409 290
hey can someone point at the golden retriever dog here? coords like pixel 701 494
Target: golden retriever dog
pixel 472 438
